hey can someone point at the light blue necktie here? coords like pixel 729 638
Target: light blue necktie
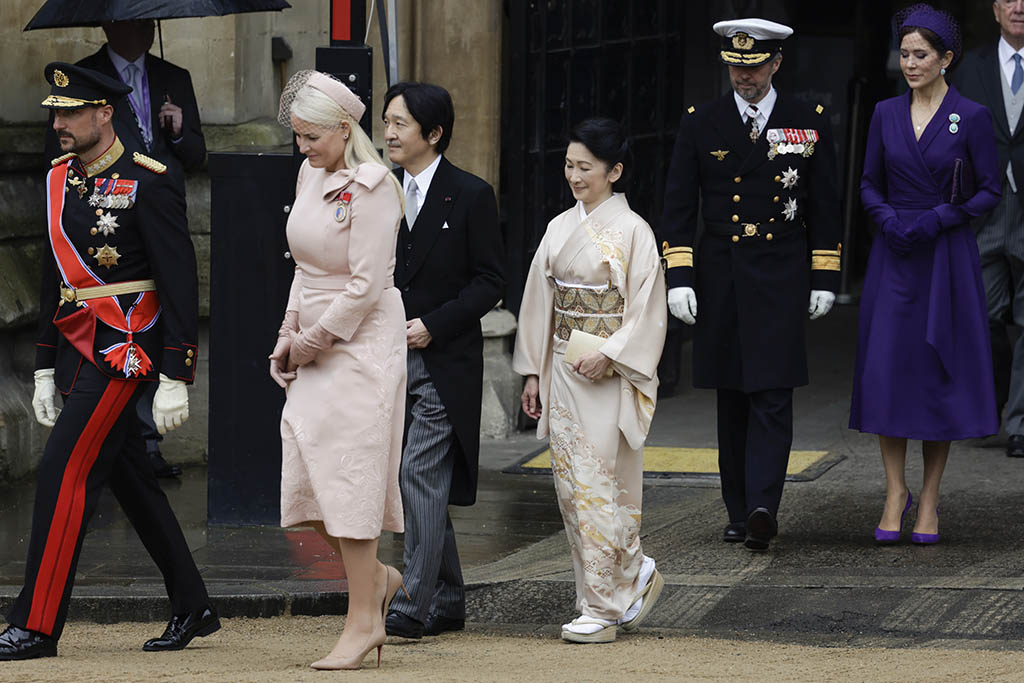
pixel 1018 74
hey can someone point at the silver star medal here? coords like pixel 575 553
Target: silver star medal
pixel 132 363
pixel 789 178
pixel 107 224
pixel 790 210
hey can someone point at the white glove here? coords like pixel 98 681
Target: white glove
pixel 682 302
pixel 170 404
pixel 821 303
pixel 44 400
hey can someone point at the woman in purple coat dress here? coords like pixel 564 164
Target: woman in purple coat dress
pixel 924 369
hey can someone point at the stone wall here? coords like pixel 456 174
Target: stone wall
pixel 456 44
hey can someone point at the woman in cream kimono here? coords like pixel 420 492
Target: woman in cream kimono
pixel 597 271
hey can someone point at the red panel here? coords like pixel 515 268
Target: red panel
pixel 341 20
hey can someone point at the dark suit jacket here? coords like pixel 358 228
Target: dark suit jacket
pixel 165 78
pixel 751 289
pixel 978 78
pixel 449 270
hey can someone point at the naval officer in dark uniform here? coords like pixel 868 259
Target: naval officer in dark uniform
pixel 118 309
pixel 762 167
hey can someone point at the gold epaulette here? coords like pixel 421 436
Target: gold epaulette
pixel 62 158
pixel 149 163
pixel 676 257
pixel 819 109
pixel 826 259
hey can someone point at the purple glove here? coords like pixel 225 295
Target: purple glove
pixel 896 237
pixel 925 227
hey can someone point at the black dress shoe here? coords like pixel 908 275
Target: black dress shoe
pixel 182 628
pixel 19 643
pixel 1015 448
pixel 735 532
pixel 761 529
pixel 402 625
pixel 437 625
pixel 163 469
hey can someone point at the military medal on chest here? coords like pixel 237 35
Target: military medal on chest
pixel 113 193
pixel 341 210
pixel 791 141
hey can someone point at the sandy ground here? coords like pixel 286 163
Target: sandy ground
pixel 280 649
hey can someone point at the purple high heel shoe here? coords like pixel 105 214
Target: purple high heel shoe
pixel 925 539
pixel 884 537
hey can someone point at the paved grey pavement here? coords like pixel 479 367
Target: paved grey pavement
pixel 824 582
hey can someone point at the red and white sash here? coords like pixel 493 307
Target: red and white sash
pixel 125 356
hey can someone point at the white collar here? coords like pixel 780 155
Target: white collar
pixel 764 107
pixel 120 62
pixel 583 212
pixel 423 180
pixel 1006 51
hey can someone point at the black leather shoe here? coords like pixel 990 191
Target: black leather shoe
pixel 436 625
pixel 19 643
pixel 182 628
pixel 402 625
pixel 1015 448
pixel 735 532
pixel 761 529
pixel 162 468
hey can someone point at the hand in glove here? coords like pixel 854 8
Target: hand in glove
pixel 307 344
pixel 896 237
pixel 44 400
pixel 925 227
pixel 170 404
pixel 682 302
pixel 821 303
pixel 279 371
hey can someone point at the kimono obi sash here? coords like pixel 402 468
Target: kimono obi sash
pixel 593 309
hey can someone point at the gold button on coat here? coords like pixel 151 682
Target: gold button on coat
pixel 190 353
pixel 735 238
pixel 768 237
pixel 775 199
pixel 188 362
pixel 778 179
pixel 93 231
pixel 737 179
pixel 735 218
pixel 91 251
pixel 736 198
pixel 771 220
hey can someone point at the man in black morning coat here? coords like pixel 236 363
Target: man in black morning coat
pixel 994 76
pixel 449 270
pixel 762 166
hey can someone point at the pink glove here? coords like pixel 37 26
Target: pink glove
pixel 308 343
pixel 279 362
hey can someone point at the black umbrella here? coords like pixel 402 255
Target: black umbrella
pixel 66 13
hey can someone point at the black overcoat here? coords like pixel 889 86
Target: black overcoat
pixel 771 235
pixel 449 270
pixel 978 78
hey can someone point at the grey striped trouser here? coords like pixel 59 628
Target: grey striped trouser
pixel 1001 247
pixel 432 573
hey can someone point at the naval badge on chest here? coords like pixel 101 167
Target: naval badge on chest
pixel 791 141
pixel 341 210
pixel 114 193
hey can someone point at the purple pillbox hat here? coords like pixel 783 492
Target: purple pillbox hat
pixel 923 15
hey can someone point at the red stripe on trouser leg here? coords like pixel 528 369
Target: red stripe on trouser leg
pixel 62 537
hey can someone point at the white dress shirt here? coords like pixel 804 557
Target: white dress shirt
pixel 764 107
pixel 1006 54
pixel 422 183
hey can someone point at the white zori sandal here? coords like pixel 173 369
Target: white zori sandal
pixel 651 580
pixel 584 629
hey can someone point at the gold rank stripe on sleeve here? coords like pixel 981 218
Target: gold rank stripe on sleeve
pixel 677 257
pixel 149 163
pixel 62 158
pixel 825 259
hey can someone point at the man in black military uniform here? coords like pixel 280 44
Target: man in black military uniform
pixel 118 308
pixel 763 167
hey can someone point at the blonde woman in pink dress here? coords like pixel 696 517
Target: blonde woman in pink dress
pixel 341 353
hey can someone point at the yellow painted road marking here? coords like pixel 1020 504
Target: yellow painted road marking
pixel 695 460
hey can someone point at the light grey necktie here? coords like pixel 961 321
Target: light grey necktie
pixel 411 206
